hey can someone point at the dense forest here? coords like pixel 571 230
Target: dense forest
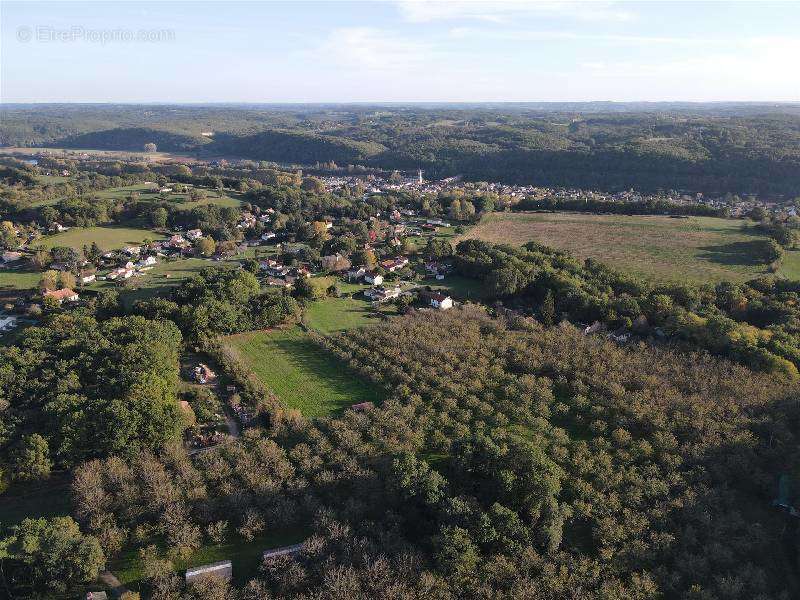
pixel 510 461
pixel 740 149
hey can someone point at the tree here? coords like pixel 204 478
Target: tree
pixel 159 217
pixel 312 184
pixel 547 312
pixel 206 246
pixel 66 280
pixel 41 257
pixel 49 280
pixel 32 459
pixel 54 554
pixel 365 258
pixel 150 147
pixel 94 253
pixel 456 553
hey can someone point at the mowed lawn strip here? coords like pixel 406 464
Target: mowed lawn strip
pixel 302 374
pixel 696 249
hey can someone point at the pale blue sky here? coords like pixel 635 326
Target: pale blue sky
pixel 399 51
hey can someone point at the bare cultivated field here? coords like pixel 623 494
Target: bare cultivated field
pixel 697 249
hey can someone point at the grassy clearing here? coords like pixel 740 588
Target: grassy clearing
pixel 301 374
pixel 182 201
pixel 331 315
pixel 790 265
pixel 108 237
pixel 245 556
pixel 461 288
pixel 698 249
pixel 146 192
pixel 18 279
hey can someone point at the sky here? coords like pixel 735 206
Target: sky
pixel 399 51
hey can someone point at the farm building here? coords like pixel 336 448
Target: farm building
pixel 284 551
pixel 222 570
pixel 9 257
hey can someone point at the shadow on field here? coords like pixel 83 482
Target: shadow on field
pixel 734 253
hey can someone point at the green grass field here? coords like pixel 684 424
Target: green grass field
pixel 245 556
pixel 331 315
pixel 107 237
pixel 182 201
pixel 698 249
pixel 790 265
pixel 18 279
pixel 301 374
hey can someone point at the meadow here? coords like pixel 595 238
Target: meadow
pixel 302 375
pixel 182 201
pixel 146 192
pixel 697 249
pixel 107 237
pixel 18 279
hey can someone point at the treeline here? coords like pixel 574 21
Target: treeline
pixel 647 207
pixel 510 461
pixel 756 323
pixel 221 301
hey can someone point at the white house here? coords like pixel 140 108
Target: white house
pixel 356 274
pixel 132 250
pixel 88 278
pixel 148 261
pixel 373 278
pixel 194 234
pixel 440 301
pixel 121 273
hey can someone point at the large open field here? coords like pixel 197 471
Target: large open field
pixel 301 374
pixel 107 237
pixel 182 201
pixel 698 249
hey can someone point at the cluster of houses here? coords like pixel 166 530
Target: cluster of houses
pixel 511 194
pixel 281 275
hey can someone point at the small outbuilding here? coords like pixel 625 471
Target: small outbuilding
pixel 220 570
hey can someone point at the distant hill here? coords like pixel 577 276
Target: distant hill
pixel 296 147
pixel 714 148
pixel 132 139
